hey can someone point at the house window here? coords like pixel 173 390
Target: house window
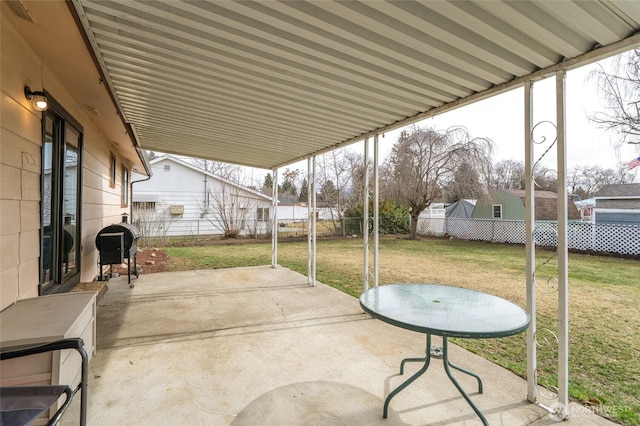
pixel 125 187
pixel 61 183
pixel 497 211
pixel 262 214
pixel 144 205
pixel 167 167
pixel 112 170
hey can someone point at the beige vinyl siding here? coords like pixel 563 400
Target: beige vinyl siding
pixel 100 203
pixel 20 172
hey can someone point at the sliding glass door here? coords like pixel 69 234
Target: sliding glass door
pixel 61 189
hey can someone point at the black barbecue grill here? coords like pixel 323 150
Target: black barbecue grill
pixel 117 242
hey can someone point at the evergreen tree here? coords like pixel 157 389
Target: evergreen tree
pixel 304 192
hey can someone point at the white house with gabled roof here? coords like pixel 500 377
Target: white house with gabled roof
pixel 183 199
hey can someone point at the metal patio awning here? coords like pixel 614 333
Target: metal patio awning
pixel 267 83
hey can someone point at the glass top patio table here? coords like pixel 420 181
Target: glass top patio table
pixel 444 311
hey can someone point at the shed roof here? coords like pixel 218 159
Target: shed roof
pixel 624 190
pixel 461 209
pixel 546 204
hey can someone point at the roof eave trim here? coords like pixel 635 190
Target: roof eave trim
pixel 77 12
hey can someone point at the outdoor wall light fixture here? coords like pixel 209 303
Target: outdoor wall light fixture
pixel 38 99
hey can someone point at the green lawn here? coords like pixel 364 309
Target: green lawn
pixel 604 297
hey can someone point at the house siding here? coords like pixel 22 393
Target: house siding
pixel 512 207
pixel 629 217
pixel 293 212
pixel 618 204
pixel 20 171
pixel 19 163
pixel 184 185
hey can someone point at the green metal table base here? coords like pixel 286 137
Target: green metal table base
pixel 438 353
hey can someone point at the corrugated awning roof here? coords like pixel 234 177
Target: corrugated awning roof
pixel 267 83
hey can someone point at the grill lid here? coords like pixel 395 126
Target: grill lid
pixel 130 233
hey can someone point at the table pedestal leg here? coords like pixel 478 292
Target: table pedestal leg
pixel 457 385
pixel 411 379
pixel 447 364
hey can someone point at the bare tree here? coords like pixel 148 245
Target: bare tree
pixel 334 178
pixel 621 88
pixel 289 185
pixel 229 208
pixel 507 174
pixel 587 180
pixel 466 183
pixel 152 220
pixel 423 162
pixel 354 193
pixel 545 179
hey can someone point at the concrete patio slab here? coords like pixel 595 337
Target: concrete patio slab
pixel 258 346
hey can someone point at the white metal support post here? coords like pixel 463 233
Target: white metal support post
pixel 365 215
pixel 530 262
pixel 309 227
pixel 376 211
pixel 314 223
pixel 563 252
pixel 274 226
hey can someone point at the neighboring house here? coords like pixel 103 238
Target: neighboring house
pixel 183 199
pixel 64 170
pixel 617 204
pixel 585 207
pixel 291 210
pixel 509 204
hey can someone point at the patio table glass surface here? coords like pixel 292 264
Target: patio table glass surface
pixel 444 311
